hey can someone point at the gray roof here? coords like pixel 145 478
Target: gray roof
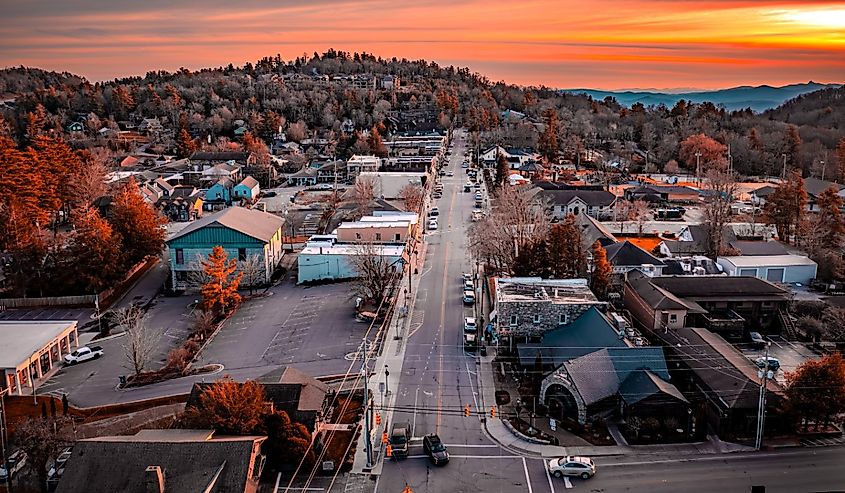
pixel 815 187
pixel 718 287
pixel 589 197
pixel 592 231
pixel 251 222
pixel 755 248
pixel 598 375
pixel 641 385
pixel 626 253
pixel 220 156
pixel 656 297
pixel 19 339
pixel 190 459
pixel 587 333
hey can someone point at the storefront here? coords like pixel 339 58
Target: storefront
pixel 30 349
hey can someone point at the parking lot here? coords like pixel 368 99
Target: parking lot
pixel 790 355
pixel 82 315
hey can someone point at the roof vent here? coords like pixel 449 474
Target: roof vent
pixel 154 479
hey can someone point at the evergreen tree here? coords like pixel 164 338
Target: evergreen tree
pixel 140 226
pixel 95 251
pixel 502 170
pixel 602 271
pixel 185 145
pixel 566 250
pixel 548 143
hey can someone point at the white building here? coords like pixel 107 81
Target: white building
pixel 29 349
pixel 774 268
pixel 358 164
pixel 388 185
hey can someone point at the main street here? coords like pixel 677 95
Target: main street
pixel 439 379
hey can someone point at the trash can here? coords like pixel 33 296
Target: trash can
pixel 122 379
pixel 483 351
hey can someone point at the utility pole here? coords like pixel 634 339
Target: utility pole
pixel 783 173
pixel 367 424
pixel 3 436
pixel 765 374
pixel 698 167
pixel 824 167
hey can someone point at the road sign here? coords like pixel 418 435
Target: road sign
pixel 553 424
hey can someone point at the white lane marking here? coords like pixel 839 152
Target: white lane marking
pixel 549 477
pixel 467 445
pixel 474 398
pixel 453 456
pixel 278 478
pixel 414 424
pixel 527 479
pixel 567 483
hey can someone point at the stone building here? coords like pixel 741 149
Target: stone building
pixel 528 307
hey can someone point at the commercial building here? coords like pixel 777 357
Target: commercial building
pixel 29 349
pixel 326 260
pixel 774 268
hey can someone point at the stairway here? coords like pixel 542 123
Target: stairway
pixel 789 331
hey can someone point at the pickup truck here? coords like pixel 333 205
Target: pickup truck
pixel 83 353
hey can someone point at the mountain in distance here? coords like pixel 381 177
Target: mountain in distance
pixel 759 98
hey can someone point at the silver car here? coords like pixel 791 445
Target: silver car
pixel 583 467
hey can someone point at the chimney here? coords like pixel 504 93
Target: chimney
pixel 154 479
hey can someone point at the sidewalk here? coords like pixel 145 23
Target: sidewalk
pixel 500 434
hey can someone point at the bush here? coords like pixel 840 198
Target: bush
pixel 178 359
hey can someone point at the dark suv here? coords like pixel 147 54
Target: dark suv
pixel 435 449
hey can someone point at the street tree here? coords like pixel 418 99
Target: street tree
pixel 815 391
pixel 375 273
pixel 785 206
pixel 287 441
pixel 220 291
pixel 640 213
pixel 602 271
pixel 502 170
pixel 140 341
pixel 413 195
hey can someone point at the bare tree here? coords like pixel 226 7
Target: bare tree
pixel 140 341
pixel 640 213
pixel 363 193
pixel 375 272
pixel 254 270
pixel 717 208
pixel 197 276
pixel 42 439
pixel 413 195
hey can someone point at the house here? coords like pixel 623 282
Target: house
pixel 815 187
pixel 206 159
pixel 625 256
pixel 151 126
pixel 75 127
pixel 389 185
pixel 663 193
pixel 165 461
pixel 786 268
pixel 183 204
pixel 219 195
pixel 761 195
pixel 515 157
pixel 165 187
pixel 325 259
pixel 247 190
pixel 332 172
pixel 694 265
pixel 528 307
pixel 693 239
pixel 287 389
pixel 230 171
pixel 358 164
pixel 243 233
pixel 730 306
pixel 593 231
pixel 721 383
pixel 594 203
pixel 29 349
pixel 305 177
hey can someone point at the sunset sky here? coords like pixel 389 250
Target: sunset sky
pixel 608 44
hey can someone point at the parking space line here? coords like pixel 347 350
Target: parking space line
pixel 549 477
pixel 567 483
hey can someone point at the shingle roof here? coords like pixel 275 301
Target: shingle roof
pixel 626 253
pixel 718 286
pixel 656 297
pixel 598 375
pixel 592 231
pixel 814 186
pixel 589 197
pixel 249 182
pixel 257 224
pixel 755 248
pixel 587 333
pixel 643 384
pixel 190 462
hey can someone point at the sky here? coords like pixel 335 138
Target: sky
pixel 606 44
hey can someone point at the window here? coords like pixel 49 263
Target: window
pixel 378 236
pixel 180 256
pixel 563 319
pixel 514 320
pixel 357 236
pixel 748 272
pixel 241 254
pixel 536 319
pixel 673 318
pixel 398 237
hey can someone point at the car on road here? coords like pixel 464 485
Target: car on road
pixel 467 187
pixel 465 165
pixel 450 173
pixel 583 467
pixel 469 325
pixel 757 340
pixel 478 196
pixel 14 463
pixel 770 362
pixel 83 353
pixel 400 436
pixel 435 450
pixel 269 194
pixel 469 298
pixel 432 224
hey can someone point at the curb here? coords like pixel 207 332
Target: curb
pixel 523 436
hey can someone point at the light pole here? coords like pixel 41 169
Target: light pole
pixel 765 374
pixel 698 167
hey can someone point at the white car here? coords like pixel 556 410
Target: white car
pixel 450 173
pixel 432 225
pixel 583 467
pixel 469 325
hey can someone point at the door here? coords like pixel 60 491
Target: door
pixel 775 275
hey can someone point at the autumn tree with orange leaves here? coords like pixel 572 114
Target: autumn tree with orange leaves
pixel 220 291
pixel 602 271
pixel 229 407
pixel 712 153
pixel 95 250
pixel 816 391
pixel 140 226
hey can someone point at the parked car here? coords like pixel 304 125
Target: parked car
pixel 583 467
pixel 399 438
pixel 58 468
pixel 450 173
pixel 269 194
pixel 757 340
pixel 14 463
pixel 83 353
pixel 466 276
pixel 772 363
pixel 469 298
pixel 436 451
pixel 434 212
pixel 469 285
pixel 467 187
pixel 465 165
pixel 432 224
pixel 470 341
pixel 469 325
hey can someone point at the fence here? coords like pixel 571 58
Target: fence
pixel 84 300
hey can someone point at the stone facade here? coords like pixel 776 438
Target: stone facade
pixel 532 318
